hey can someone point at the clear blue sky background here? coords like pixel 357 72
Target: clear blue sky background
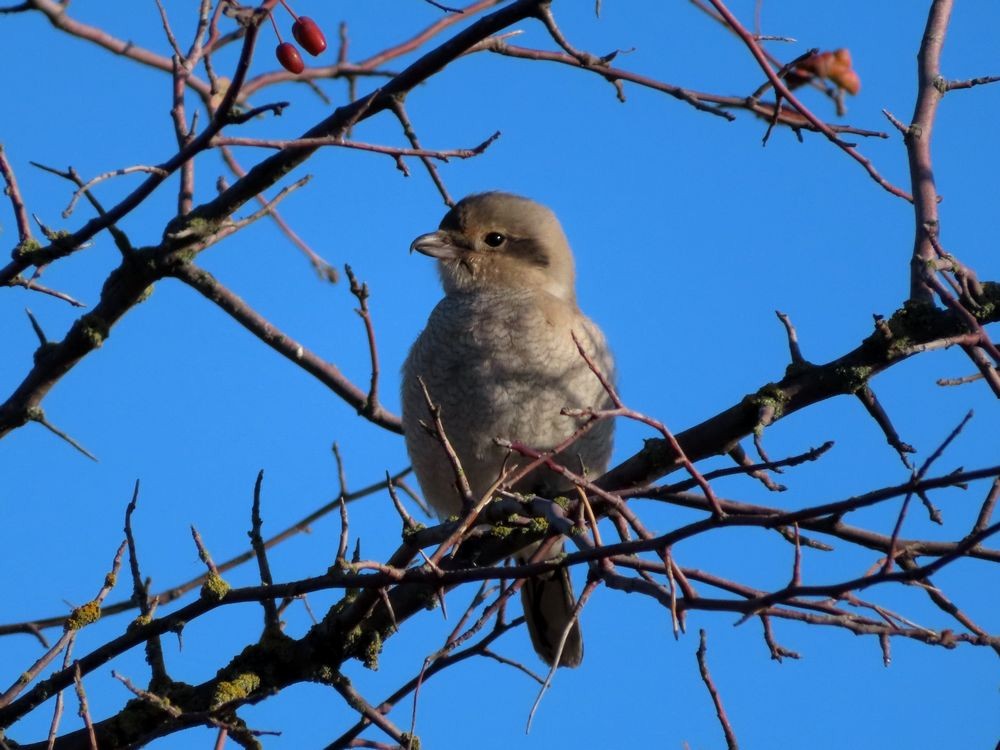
pixel 688 236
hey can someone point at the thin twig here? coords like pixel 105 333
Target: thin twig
pixel 16 201
pixel 271 622
pixel 38 415
pixel 58 709
pixel 580 604
pixel 360 291
pixel 84 710
pixel 706 677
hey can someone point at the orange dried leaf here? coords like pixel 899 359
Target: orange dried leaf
pixel 835 66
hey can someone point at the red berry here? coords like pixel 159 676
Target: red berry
pixel 290 58
pixel 308 34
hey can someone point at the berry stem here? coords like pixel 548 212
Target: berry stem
pixel 289 9
pixel 275 25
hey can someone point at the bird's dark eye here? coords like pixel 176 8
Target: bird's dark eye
pixel 494 239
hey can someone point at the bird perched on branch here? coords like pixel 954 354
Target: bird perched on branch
pixel 499 360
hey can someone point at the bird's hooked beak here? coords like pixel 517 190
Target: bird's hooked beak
pixel 442 244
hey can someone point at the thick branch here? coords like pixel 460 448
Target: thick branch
pixel 930 90
pixel 914 328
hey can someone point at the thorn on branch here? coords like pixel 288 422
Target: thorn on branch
pixel 52 235
pixel 902 128
pixel 356 555
pixel 42 341
pixel 36 414
pixel 30 285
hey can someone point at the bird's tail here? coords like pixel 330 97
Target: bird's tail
pixel 548 603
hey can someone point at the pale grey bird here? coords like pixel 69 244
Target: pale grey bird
pixel 498 358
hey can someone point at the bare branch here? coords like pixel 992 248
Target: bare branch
pixel 16 201
pixel 706 677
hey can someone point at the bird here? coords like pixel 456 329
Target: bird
pixel 499 359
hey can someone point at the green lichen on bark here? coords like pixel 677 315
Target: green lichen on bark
pixel 239 688
pixel 139 622
pixel 852 379
pixel 365 645
pixel 372 652
pixel 94 329
pixel 770 396
pixel 538 525
pixel 83 615
pixel 24 250
pixel 409 531
pixel 144 295
pixel 214 587
pixel 500 531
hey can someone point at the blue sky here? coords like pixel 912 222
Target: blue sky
pixel 688 235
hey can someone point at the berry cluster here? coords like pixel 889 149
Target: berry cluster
pixel 307 33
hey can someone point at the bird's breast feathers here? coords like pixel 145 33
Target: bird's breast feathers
pixel 509 362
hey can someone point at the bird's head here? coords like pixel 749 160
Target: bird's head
pixel 500 240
